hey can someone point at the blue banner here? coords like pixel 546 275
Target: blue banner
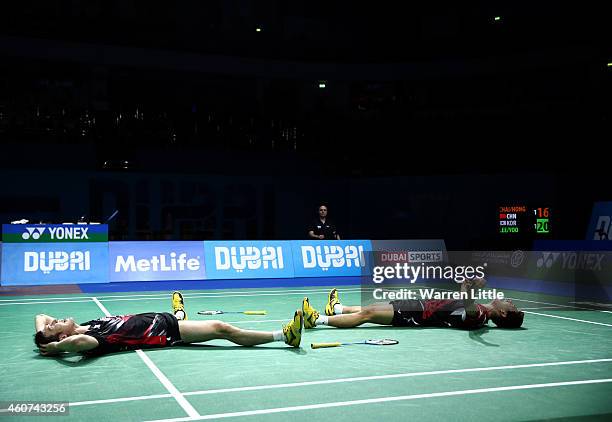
pixel 152 261
pixel 54 263
pixel 248 259
pixel 330 258
pixel 600 227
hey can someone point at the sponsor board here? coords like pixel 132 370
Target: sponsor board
pixel 152 261
pixel 52 233
pixel 248 259
pixel 54 263
pixel 600 226
pixel 330 258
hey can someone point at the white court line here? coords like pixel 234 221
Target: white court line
pixel 569 319
pixel 260 321
pixel 563 306
pixel 541 307
pixel 176 394
pixel 186 295
pixel 357 379
pixel 544 303
pixel 122 399
pixel 36 303
pixel 387 399
pixel 167 297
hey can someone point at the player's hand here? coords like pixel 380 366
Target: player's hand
pixel 475 283
pixel 49 349
pixel 479 283
pixel 321 236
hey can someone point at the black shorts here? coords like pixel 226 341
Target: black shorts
pixel 171 325
pixel 407 313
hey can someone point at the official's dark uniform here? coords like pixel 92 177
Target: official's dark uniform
pixel 327 229
pixel 436 313
pixel 129 332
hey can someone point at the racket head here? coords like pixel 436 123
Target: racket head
pixel 382 342
pixel 210 312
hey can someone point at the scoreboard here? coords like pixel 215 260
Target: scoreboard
pixel 520 219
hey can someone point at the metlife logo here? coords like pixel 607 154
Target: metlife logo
pixel 139 261
pixel 248 259
pixel 156 263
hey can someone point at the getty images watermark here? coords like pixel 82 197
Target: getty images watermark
pixel 408 273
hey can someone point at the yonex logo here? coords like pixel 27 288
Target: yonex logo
pixel 33 232
pixel 573 260
pixel 335 256
pixel 547 259
pixel 56 233
pixel 248 257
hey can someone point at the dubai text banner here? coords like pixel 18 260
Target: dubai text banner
pixel 248 259
pixel 54 263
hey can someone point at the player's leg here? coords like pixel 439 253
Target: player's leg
pixel 335 307
pixel 377 314
pixel 200 331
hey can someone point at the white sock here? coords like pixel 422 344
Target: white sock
pixel 338 309
pixel 278 335
pixel 322 320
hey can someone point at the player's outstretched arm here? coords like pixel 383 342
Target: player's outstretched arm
pixel 75 343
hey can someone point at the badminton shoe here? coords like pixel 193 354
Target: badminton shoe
pixel 332 300
pixel 293 330
pixel 310 314
pixel 178 306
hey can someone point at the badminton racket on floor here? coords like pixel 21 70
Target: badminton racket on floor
pixel 373 342
pixel 232 312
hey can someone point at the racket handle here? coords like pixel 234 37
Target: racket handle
pixel 255 312
pixel 322 345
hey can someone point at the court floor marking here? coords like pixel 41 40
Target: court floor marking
pixel 176 394
pixel 569 319
pixel 563 306
pixel 50 302
pixel 164 295
pixel 248 321
pixel 386 399
pixel 540 307
pixel 545 303
pixel 167 297
pixel 353 379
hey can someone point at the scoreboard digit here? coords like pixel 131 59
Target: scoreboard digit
pixel 542 220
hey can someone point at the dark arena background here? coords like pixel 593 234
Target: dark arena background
pixel 150 147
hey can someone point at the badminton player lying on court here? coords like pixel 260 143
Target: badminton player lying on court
pixel 466 314
pixel 128 332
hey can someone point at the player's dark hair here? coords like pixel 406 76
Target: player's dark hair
pixel 513 319
pixel 40 338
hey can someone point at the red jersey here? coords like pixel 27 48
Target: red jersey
pixel 128 332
